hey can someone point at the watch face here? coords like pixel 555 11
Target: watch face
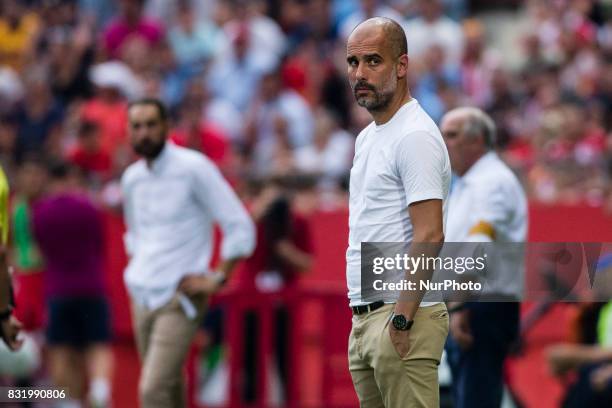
pixel 400 322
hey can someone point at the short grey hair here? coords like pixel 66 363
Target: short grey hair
pixel 477 123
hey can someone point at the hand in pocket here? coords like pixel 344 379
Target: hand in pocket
pixel 400 340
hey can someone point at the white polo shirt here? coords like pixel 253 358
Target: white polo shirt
pixel 488 204
pixel 397 163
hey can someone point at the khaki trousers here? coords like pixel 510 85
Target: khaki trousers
pixel 380 376
pixel 163 338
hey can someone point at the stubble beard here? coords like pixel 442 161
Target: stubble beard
pixel 380 99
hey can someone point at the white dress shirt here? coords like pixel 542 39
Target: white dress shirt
pixel 488 204
pixel 396 164
pixel 170 209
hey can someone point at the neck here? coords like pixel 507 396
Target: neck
pixel 399 99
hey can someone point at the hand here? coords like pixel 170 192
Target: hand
pixel 400 340
pixel 460 329
pixel 199 284
pixel 10 330
pixel 601 377
pixel 563 358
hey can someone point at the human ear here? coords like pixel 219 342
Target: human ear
pixel 402 66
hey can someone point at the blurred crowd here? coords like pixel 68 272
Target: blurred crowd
pixel 259 86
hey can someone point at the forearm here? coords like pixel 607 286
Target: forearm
pixel 427 246
pixel 227 266
pixel 293 256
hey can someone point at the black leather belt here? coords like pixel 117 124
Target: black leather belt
pixel 358 310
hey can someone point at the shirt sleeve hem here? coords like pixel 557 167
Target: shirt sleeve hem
pixel 425 195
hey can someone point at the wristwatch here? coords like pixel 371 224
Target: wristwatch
pixel 401 323
pixel 219 277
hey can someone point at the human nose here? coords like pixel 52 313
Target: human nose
pixel 360 74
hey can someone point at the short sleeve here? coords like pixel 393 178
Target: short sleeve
pixel 490 211
pixel 421 163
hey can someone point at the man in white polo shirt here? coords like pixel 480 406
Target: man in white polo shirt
pixel 398 188
pixel 487 204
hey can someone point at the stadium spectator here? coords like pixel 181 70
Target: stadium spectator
pixel 283 254
pixel 39 118
pixel 280 121
pixel 195 41
pixel 18 30
pixel 130 25
pixel 195 132
pixel 69 232
pixel 367 9
pixel 88 155
pixel 234 76
pixel 329 156
pixel 431 27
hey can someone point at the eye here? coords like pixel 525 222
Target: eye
pixel 352 62
pixel 373 61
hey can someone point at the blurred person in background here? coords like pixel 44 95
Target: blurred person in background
pixel 477 64
pixel 114 83
pixel 18 31
pixel 130 25
pixel 88 154
pixel 69 231
pixel 9 325
pixel 367 9
pixel 67 45
pixel 266 37
pixel 331 152
pixel 435 75
pixel 194 131
pixel 431 27
pixel 172 196
pixel 27 258
pixel 234 76
pixel 39 117
pixel 486 204
pixel 283 254
pixel 590 361
pixel 284 241
pixel 279 119
pixel 195 41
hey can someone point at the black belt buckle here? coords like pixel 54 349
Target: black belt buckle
pixel 358 310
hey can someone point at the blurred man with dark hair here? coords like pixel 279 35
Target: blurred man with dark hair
pixel 172 197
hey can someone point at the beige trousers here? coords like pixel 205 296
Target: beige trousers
pixel 380 376
pixel 163 338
